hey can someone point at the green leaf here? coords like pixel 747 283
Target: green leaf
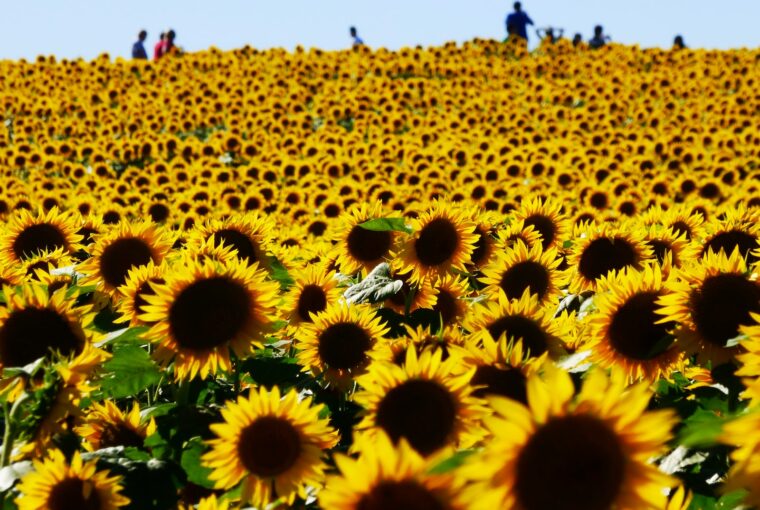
pixel 128 372
pixel 387 225
pixel 452 463
pixel 701 429
pixel 731 500
pixel 196 472
pixel 124 335
pixel 280 274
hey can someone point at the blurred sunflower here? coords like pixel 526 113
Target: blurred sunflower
pixel 390 476
pixel 56 484
pixel 248 234
pixel 27 235
pixel 139 283
pixel 595 448
pixel 341 342
pixel 426 401
pixel 206 311
pixel 105 426
pixel 273 444
pixel 443 240
pixel 544 217
pixel 360 249
pixel 314 290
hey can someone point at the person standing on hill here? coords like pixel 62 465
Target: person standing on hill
pixel 357 41
pixel 138 48
pixel 517 22
pixel 599 39
pixel 169 45
pixel 160 48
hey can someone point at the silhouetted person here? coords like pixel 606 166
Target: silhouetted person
pixel 599 38
pixel 170 37
pixel 549 35
pixel 517 22
pixel 160 48
pixel 577 40
pixel 678 43
pixel 357 41
pixel 138 48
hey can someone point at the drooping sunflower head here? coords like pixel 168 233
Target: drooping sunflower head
pixel 625 330
pixel 450 292
pixel 604 249
pixel 521 319
pixel 546 218
pixel 341 342
pixel 388 475
pixel 203 312
pixel 522 268
pixel 315 289
pixel 739 230
pixel 33 324
pixel 27 235
pixel 448 340
pixel 669 249
pixel 711 300
pixel 360 249
pixel 56 484
pixel 124 247
pixel 105 426
pixel 248 234
pixel 595 448
pixel 273 444
pixel 443 240
pixel 426 401
pixel 139 283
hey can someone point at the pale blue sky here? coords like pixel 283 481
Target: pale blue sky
pixel 71 28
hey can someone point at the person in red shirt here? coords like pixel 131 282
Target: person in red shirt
pixel 160 48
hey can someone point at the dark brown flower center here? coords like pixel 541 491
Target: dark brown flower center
pixel 38 238
pixel 545 226
pixel 246 249
pixel 482 246
pixel 506 382
pixel 446 306
pixel 730 240
pixel 311 300
pixel 73 493
pixel 517 327
pixel 31 333
pixel 122 255
pixel 269 446
pixel 722 304
pixel 421 411
pixel 633 330
pixel 437 243
pixel 524 275
pixel 606 254
pixel 368 245
pixel 582 460
pixel 399 495
pixel 344 345
pixel 209 313
pixel 119 434
pixel 145 289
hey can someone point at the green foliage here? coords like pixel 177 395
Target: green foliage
pixel 128 372
pixel 387 225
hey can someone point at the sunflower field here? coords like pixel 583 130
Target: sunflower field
pixel 457 277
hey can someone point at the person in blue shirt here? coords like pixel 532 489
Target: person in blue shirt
pixel 518 21
pixel 599 39
pixel 355 36
pixel 138 50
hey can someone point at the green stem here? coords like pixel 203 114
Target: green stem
pixel 183 393
pixel 8 435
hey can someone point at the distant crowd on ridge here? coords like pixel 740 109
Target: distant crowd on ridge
pixel 516 23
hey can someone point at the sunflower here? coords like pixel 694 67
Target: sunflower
pixel 426 401
pixel 314 290
pixel 669 249
pixel 359 249
pixel 411 296
pixel 521 319
pixel 744 473
pixel 594 450
pixel 737 230
pixel 711 300
pixel 204 311
pixel 209 250
pixel 517 231
pixel 139 283
pixel 122 248
pixel 544 217
pixel 597 251
pixel 423 339
pixel 27 235
pixel 34 323
pixel 249 234
pixel 450 291
pixel 443 240
pixel 105 426
pixel 55 484
pixel 750 359
pixel 273 444
pixel 390 476
pixel 625 329
pixel 341 342
pixel 486 226
pixel 522 268
pixel 44 262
